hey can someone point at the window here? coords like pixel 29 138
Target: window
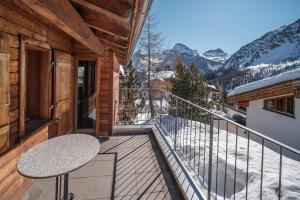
pixel 283 105
pixel 37 99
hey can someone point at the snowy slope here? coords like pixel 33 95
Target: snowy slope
pixel 279 45
pixel 275 52
pixel 165 75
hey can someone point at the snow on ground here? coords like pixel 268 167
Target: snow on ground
pixel 286 76
pixel 286 50
pixel 191 142
pixel 144 110
pixel 255 69
pixel 165 74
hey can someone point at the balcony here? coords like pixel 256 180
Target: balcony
pixel 129 166
pixel 178 150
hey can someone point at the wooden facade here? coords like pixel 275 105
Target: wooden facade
pixel 281 89
pixel 41 43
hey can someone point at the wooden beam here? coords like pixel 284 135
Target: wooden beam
pixel 120 7
pixel 114 45
pixel 107 32
pixel 113 40
pixel 62 14
pixel 101 10
pixel 116 49
pixel 104 24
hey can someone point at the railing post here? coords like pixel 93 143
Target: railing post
pixel 160 116
pixel 176 123
pixel 211 132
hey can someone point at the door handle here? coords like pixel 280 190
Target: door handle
pixel 7 99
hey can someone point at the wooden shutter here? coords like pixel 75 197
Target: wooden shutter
pixel 4 92
pixel 62 97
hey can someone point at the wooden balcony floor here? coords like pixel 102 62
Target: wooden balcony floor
pixel 128 166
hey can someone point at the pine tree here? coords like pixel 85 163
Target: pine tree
pixel 129 85
pixel 190 84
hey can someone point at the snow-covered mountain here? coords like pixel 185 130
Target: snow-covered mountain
pixel 280 45
pixel 275 52
pixel 217 55
pixel 210 60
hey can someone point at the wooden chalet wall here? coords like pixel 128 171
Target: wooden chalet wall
pixel 15 24
pixel 17 27
pixel 12 184
pixel 47 25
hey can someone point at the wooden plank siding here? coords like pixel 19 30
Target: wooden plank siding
pixel 63 91
pixel 15 23
pixel 12 184
pixel 20 26
pixel 29 24
pixel 4 92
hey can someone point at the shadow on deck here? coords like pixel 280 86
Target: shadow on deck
pixel 128 166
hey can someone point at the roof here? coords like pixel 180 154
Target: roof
pixel 212 87
pixel 97 24
pixel 267 82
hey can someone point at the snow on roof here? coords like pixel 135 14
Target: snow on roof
pixel 165 74
pixel 286 76
pixel 212 87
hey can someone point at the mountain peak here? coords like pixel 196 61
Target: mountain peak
pixel 217 55
pixel 182 48
pixel 214 52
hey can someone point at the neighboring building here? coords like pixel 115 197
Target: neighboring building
pixel 157 83
pixel 273 106
pixel 213 92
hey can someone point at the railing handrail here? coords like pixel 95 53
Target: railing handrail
pixel 291 149
pixel 230 107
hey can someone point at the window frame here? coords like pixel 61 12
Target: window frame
pixel 25 44
pixel 284 104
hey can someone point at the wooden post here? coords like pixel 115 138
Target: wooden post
pixel 104 99
pixel 98 66
pixel 22 83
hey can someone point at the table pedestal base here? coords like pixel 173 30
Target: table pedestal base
pixel 66 194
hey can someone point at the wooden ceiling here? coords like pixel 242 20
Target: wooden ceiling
pixel 95 23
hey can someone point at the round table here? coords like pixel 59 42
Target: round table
pixel 58 157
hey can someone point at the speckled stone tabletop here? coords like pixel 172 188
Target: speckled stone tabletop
pixel 58 156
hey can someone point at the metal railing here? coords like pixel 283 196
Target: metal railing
pixel 228 160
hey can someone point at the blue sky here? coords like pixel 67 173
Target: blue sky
pixel 225 24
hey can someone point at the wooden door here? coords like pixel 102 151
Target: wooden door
pixel 4 92
pixel 62 96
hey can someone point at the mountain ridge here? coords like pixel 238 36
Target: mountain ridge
pixel 168 58
pixel 274 52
